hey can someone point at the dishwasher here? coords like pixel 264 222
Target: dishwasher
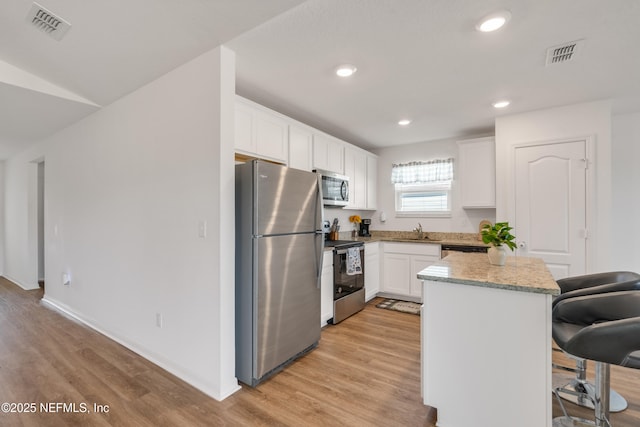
pixel 447 249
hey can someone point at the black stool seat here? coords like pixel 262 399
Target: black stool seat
pixel 595 279
pixel 602 327
pixel 579 390
pixel 597 283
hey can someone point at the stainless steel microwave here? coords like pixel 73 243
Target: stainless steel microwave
pixel 335 188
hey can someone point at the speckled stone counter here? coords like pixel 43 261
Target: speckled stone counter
pixel 485 329
pixel 467 239
pixel 518 274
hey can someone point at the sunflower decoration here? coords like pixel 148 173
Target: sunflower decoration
pixel 355 219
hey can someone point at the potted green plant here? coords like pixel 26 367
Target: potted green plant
pixel 498 236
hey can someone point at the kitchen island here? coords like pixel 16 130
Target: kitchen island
pixel 486 341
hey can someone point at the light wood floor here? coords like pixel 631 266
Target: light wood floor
pixel 366 372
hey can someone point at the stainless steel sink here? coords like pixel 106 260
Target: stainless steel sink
pixel 423 238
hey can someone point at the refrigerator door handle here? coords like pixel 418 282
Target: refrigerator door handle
pixel 319 231
pixel 319 204
pixel 319 252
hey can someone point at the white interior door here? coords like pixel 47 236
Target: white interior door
pixel 550 205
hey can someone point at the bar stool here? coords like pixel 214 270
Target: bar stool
pixel 579 391
pixel 604 328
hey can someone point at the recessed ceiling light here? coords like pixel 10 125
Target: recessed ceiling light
pixel 404 122
pixel 494 21
pixel 345 70
pixel 501 104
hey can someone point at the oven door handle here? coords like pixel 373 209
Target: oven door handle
pixel 344 251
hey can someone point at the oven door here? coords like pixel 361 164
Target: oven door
pixel 343 283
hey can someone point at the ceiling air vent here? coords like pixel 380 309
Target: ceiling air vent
pixel 46 21
pixel 563 53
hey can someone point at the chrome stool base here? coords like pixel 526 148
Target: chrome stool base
pixel 600 401
pixel 583 394
pixel 571 422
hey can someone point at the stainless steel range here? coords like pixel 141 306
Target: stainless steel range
pixel 348 280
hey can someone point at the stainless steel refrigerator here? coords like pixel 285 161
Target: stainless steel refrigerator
pixel 279 245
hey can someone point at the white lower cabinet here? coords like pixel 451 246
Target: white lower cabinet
pixel 371 270
pixel 326 288
pixel 419 263
pixel 401 264
pixel 397 274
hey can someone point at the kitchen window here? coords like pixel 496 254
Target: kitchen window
pixel 423 189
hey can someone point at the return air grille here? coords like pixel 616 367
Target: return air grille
pixel 47 22
pixel 563 53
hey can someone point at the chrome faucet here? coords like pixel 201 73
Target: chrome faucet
pixel 418 231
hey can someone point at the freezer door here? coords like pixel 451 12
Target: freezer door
pixel 287 300
pixel 286 200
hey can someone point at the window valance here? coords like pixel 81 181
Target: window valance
pixel 440 170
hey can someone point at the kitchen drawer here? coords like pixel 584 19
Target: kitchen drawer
pixel 428 249
pixel 371 248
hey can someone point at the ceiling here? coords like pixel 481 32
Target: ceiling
pixel 416 59
pixel 112 48
pixel 424 60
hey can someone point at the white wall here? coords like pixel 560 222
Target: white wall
pixel 625 176
pixel 592 120
pixel 461 220
pixel 126 189
pixel 2 235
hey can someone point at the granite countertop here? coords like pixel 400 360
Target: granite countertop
pixel 518 274
pixel 467 239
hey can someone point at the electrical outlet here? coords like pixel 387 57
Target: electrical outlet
pixel 202 229
pixel 159 320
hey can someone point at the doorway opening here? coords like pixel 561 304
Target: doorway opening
pixel 40 210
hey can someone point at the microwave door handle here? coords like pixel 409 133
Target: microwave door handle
pixel 344 190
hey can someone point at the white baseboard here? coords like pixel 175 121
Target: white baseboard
pixel 399 297
pixel 166 365
pixel 21 285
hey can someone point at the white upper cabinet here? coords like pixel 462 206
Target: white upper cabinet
pixel 355 167
pixel 244 129
pixel 362 169
pixel 266 134
pixel 260 132
pixel 372 182
pixel 477 172
pixel 328 153
pixel 300 148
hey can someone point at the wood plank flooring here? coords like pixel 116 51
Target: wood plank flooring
pixel 366 372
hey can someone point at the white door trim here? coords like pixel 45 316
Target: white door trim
pixel 591 195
